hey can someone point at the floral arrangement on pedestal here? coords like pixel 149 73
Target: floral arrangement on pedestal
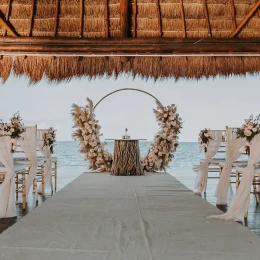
pixel 88 134
pixel 49 138
pixel 204 137
pixel 249 130
pixel 159 155
pixel 14 129
pixel 165 141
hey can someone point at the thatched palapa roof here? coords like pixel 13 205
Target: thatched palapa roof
pixel 178 38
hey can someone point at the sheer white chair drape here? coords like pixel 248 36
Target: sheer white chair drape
pixel 233 144
pixel 7 188
pixel 203 168
pixel 45 150
pixel 28 142
pixel 241 202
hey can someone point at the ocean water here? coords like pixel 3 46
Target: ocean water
pixel 68 155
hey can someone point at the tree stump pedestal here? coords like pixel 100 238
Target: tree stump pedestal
pixel 126 158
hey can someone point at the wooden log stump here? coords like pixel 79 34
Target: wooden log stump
pixel 126 158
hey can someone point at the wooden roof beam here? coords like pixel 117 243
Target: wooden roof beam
pixel 31 18
pixel 159 17
pixel 106 18
pixel 233 12
pixel 6 25
pixel 245 20
pixel 127 47
pixel 135 18
pixel 183 19
pixel 124 18
pixel 206 13
pixel 8 14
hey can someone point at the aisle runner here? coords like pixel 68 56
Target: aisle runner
pixel 151 217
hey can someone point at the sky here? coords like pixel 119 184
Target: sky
pixel 213 103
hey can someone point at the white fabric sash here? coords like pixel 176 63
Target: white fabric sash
pixel 233 144
pixel 241 201
pixel 29 146
pixel 203 168
pixel 45 150
pixel 7 188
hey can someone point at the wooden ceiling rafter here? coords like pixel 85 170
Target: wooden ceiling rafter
pixel 245 20
pixel 206 14
pixel 7 27
pixel 233 13
pixel 134 18
pixel 56 23
pixel 106 18
pixel 159 17
pixel 184 34
pixel 81 14
pixel 124 19
pixel 31 18
pixel 8 14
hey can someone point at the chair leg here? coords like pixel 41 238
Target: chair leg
pixel 55 176
pixel 205 189
pixel 16 185
pixel 237 179
pixel 255 190
pixel 43 182
pixel 23 191
pixel 246 215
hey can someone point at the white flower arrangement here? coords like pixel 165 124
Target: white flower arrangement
pixel 49 138
pixel 249 130
pixel 14 129
pixel 88 134
pixel 204 137
pixel 159 155
pixel 165 141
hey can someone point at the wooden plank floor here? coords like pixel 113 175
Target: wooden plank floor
pixel 102 217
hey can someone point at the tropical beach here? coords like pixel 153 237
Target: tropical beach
pixel 129 129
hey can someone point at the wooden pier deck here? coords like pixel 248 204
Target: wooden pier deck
pixel 102 217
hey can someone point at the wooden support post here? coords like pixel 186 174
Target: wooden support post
pixel 56 18
pixel 81 6
pixel 159 17
pixel 183 19
pixel 31 18
pixel 134 18
pixel 106 17
pixel 206 13
pixel 124 18
pixel 8 14
pixel 245 20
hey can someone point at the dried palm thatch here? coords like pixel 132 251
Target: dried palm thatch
pixel 55 18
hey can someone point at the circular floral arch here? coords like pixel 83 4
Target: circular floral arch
pixel 161 150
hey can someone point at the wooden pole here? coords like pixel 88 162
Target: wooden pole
pixel 183 19
pixel 56 18
pixel 206 13
pixel 233 12
pixel 245 20
pixel 81 6
pixel 124 18
pixel 106 17
pixel 8 14
pixel 31 18
pixel 159 17
pixel 135 18
pixel 7 27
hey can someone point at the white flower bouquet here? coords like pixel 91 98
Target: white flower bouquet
pixel 249 130
pixel 49 138
pixel 204 138
pixel 166 140
pixel 88 134
pixel 14 129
